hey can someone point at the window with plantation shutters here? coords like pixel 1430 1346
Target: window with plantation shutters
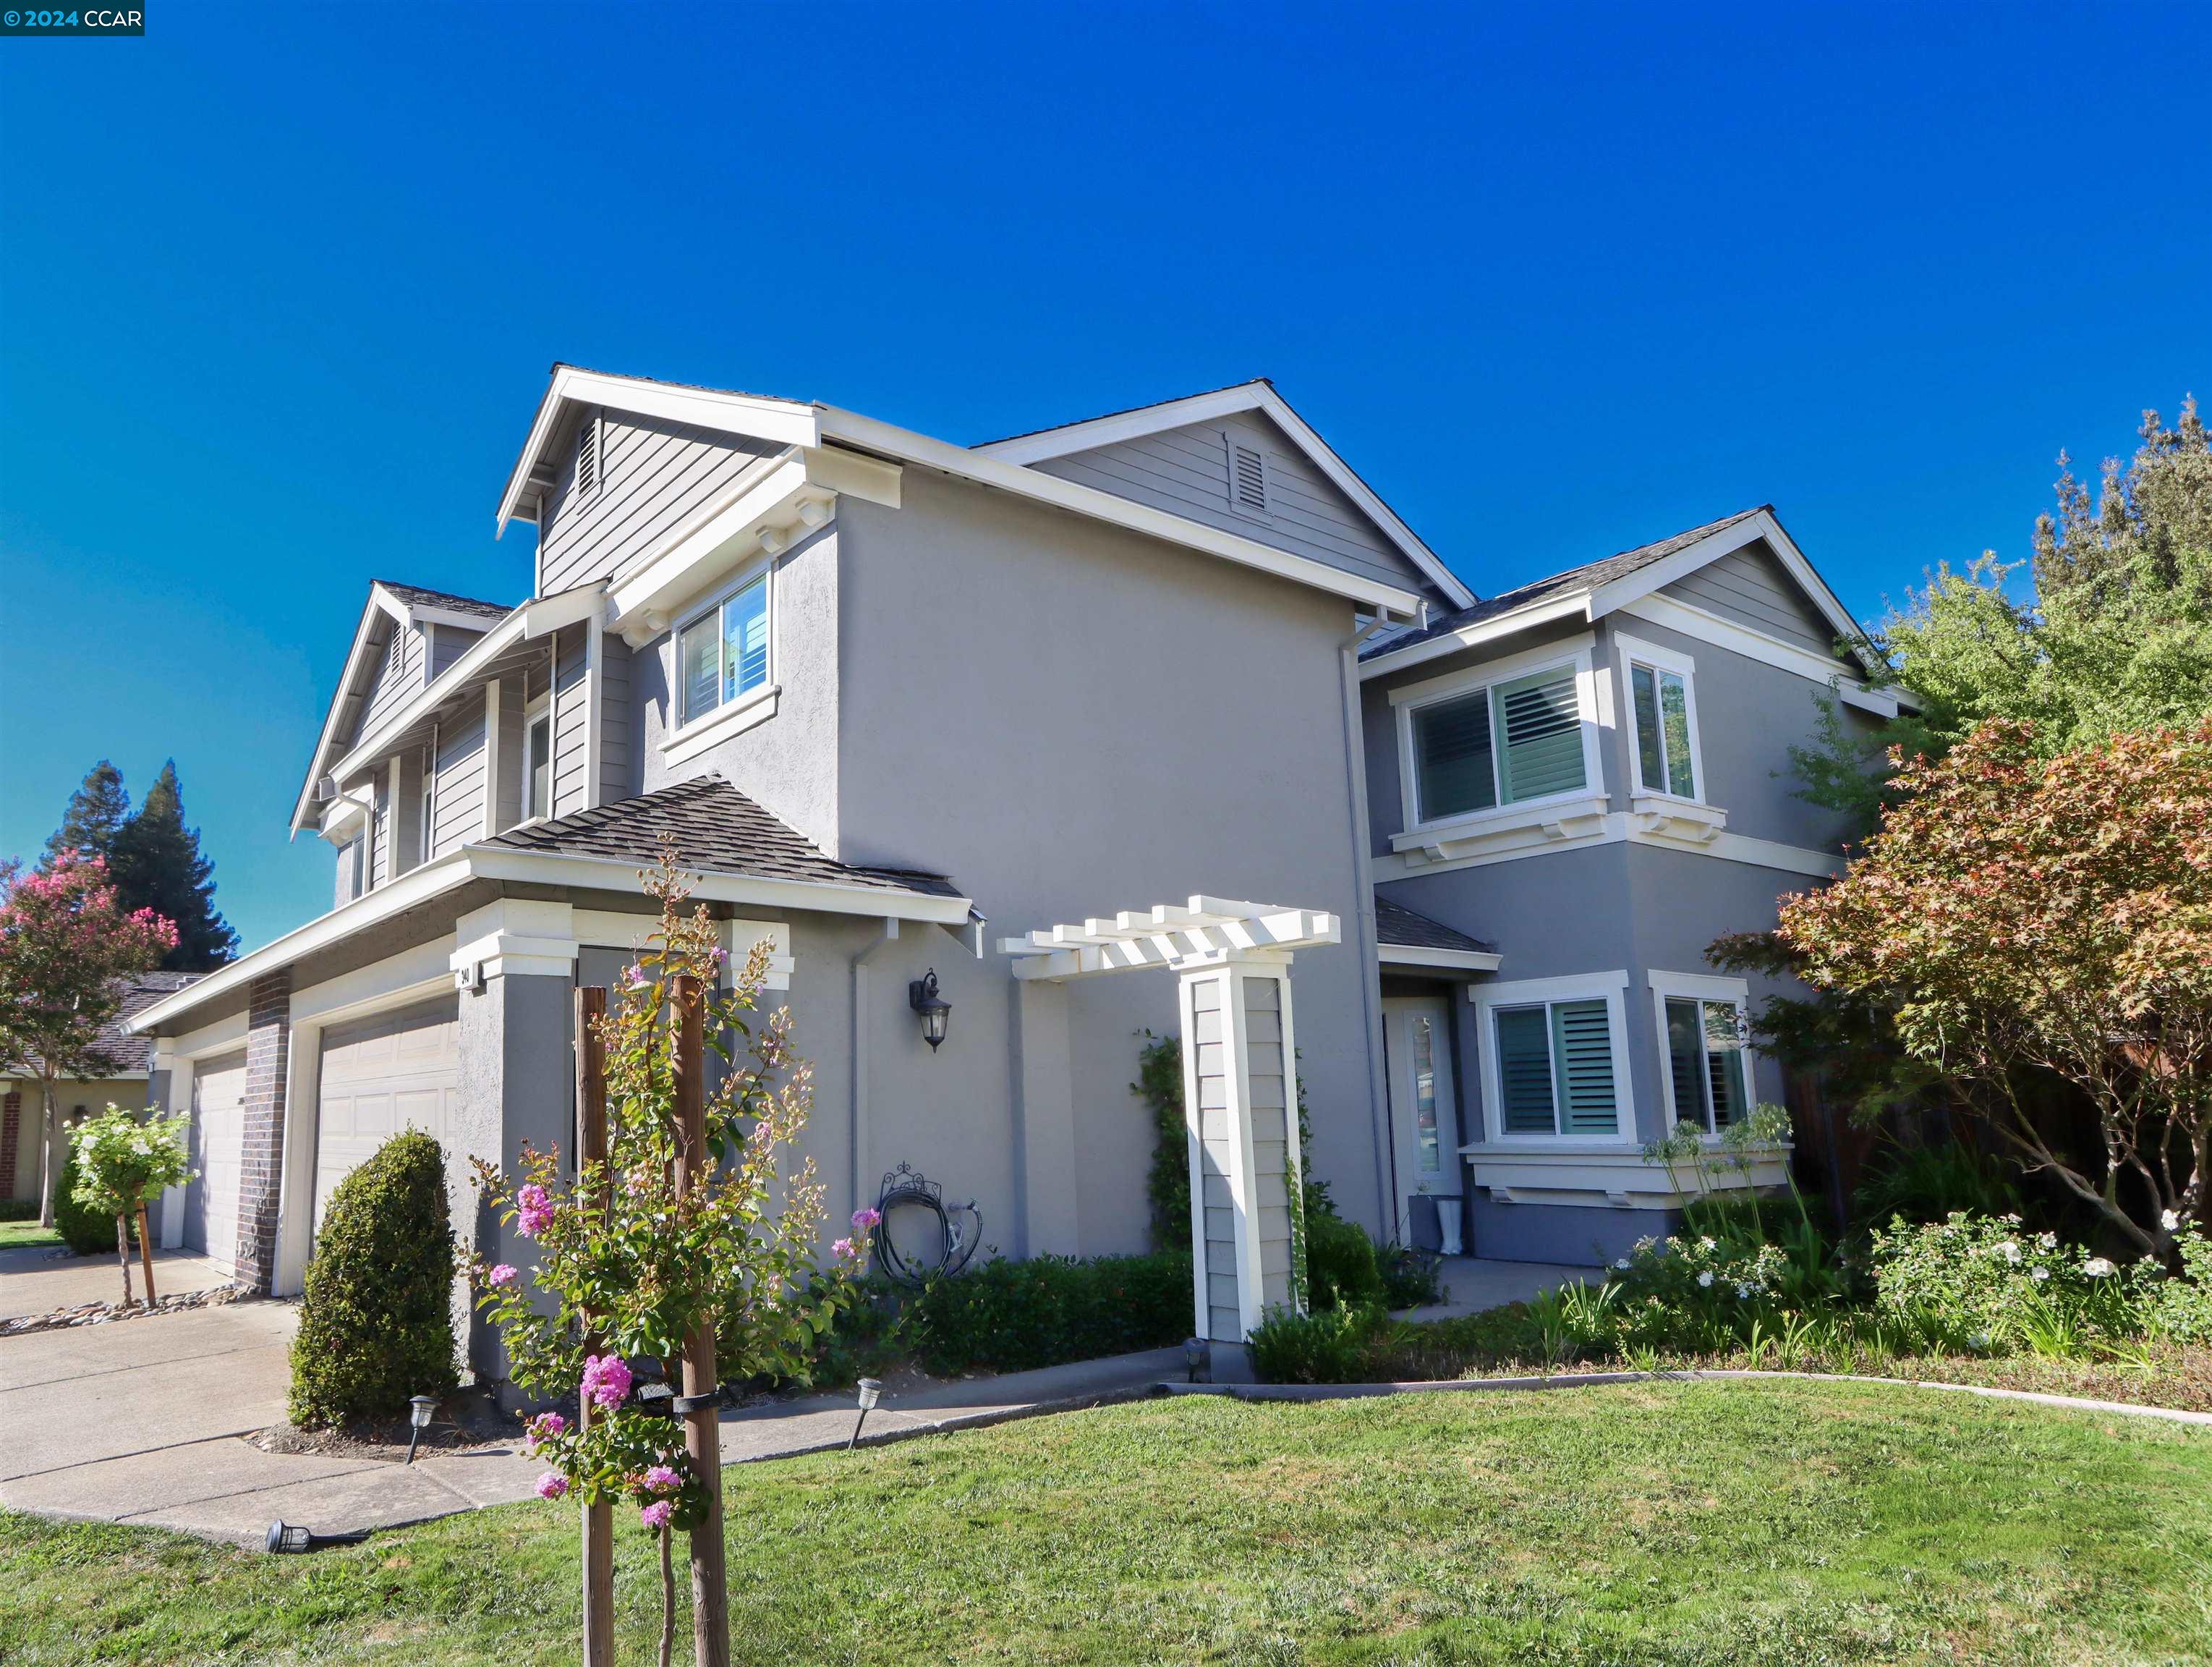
pixel 723 653
pixel 1510 742
pixel 1453 763
pixel 1540 730
pixel 1555 1069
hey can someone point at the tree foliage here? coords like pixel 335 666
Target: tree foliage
pixel 2018 914
pixel 159 865
pixel 122 1161
pixel 66 943
pixel 95 814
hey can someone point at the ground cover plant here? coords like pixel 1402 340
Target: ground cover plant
pixel 1671 1525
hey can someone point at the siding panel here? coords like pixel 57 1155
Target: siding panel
pixel 616 775
pixel 447 644
pixel 457 804
pixel 398 674
pixel 1751 588
pixel 654 477
pixel 507 756
pixel 1186 472
pixel 570 718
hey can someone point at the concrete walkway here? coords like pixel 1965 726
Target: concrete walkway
pixel 1473 1284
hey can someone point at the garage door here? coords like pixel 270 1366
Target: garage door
pixel 400 1070
pixel 218 1142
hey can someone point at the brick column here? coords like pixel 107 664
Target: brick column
pixel 11 1123
pixel 268 1059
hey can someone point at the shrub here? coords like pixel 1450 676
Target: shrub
pixel 1410 1277
pixel 2182 1308
pixel 18 1209
pixel 1167 1183
pixel 376 1322
pixel 1009 1316
pixel 1927 1182
pixel 2002 1287
pixel 1330 1345
pixel 1340 1266
pixel 86 1230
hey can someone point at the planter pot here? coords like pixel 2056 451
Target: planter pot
pixel 1449 1211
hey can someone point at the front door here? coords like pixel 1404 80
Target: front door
pixel 1417 1053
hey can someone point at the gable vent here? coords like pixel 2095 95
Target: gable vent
pixel 587 455
pixel 1248 479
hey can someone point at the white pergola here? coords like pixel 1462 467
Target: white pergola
pixel 1232 962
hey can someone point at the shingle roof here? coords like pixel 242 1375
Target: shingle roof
pixel 715 830
pixel 124 1051
pixel 1395 923
pixel 1589 577
pixel 416 596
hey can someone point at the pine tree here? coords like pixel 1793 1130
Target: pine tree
pixel 158 866
pixel 96 813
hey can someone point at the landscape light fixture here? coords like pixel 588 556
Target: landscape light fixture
pixel 289 1537
pixel 871 1390
pixel 1195 1353
pixel 420 1409
pixel 922 995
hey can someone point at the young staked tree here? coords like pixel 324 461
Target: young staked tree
pixel 95 815
pixel 2019 915
pixel 123 1163
pixel 66 944
pixel 158 865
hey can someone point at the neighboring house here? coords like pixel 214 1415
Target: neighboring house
pixel 22 1109
pixel 895 701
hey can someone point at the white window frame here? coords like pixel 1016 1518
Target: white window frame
pixel 686 725
pixel 1636 650
pixel 1612 988
pixel 1592 710
pixel 532 711
pixel 1698 987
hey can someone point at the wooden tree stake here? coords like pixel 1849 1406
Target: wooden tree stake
pixel 146 1251
pixel 702 1431
pixel 599 1518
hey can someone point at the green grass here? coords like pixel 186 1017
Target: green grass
pixel 1655 1523
pixel 17 1235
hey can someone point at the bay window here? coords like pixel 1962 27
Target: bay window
pixel 721 653
pixel 1500 744
pixel 1663 708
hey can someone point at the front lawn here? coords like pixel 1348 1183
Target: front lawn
pixel 19 1235
pixel 1656 1524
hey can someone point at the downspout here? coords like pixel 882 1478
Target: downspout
pixel 1364 932
pixel 859 1130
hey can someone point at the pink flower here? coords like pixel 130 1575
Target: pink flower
pixel 533 1211
pixel 867 1219
pixel 635 978
pixel 551 1485
pixel 657 1514
pixel 607 1380
pixel 662 1479
pixel 544 1427
pixel 842 1250
pixel 502 1275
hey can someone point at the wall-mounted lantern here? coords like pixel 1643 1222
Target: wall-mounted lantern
pixel 922 995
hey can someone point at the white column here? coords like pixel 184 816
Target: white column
pixel 177 1097
pixel 1240 1095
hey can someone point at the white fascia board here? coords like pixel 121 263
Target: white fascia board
pixel 780 422
pixel 1687 621
pixel 606 874
pixel 1574 605
pixel 1453 960
pixel 1027 449
pixel 869 434
pixel 697 559
pixel 329 737
pixel 416 885
pixel 1634 586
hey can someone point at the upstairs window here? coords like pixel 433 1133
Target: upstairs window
pixel 1664 708
pixel 722 652
pixel 1502 745
pixel 1555 1072
pixel 538 766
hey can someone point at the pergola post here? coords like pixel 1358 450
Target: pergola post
pixel 1240 1095
pixel 1232 965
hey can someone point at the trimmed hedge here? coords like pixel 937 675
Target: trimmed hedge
pixel 85 1231
pixel 1010 1315
pixel 376 1322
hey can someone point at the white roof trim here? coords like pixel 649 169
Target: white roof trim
pixel 781 421
pixel 1450 961
pixel 1026 449
pixel 867 434
pixel 379 598
pixel 475 862
pixel 1572 605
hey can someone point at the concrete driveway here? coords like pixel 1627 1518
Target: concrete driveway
pixel 38 1279
pixel 139 1421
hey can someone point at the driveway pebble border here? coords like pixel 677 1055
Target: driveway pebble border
pixel 1596 1379
pixel 103 1314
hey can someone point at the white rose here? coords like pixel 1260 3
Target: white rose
pixel 1706 1278
pixel 2008 1251
pixel 2040 1275
pixel 2170 1219
pixel 2096 1267
pixel 2049 1241
pixel 1621 1262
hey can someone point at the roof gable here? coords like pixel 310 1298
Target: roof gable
pixel 1163 454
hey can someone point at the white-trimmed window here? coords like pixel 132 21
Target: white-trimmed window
pixel 1662 711
pixel 1704 1038
pixel 1554 1062
pixel 722 651
pixel 538 759
pixel 1482 740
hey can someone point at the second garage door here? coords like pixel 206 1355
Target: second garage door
pixel 400 1070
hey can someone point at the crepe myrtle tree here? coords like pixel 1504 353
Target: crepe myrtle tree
pixel 629 1267
pixel 122 1164
pixel 65 945
pixel 2018 914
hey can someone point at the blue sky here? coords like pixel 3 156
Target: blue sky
pixel 279 289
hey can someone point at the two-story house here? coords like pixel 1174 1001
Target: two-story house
pixel 895 702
